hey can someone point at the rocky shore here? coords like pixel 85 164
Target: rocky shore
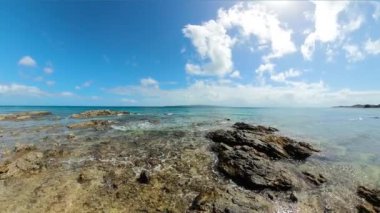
pixel 98 113
pixel 243 168
pixel 22 116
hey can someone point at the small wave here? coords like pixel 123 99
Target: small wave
pixel 169 113
pixel 134 126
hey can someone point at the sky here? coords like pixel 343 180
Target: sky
pixel 166 52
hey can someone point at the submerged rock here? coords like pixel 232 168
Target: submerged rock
pixel 251 156
pixel 372 198
pixel 98 113
pixel 97 124
pixel 21 116
pixel 144 177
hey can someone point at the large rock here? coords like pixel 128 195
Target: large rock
pixel 21 116
pixel 99 113
pixel 372 198
pixel 251 156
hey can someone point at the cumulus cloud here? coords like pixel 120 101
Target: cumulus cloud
pixel 214 43
pixel 372 47
pixel 284 76
pixel 149 82
pixel 27 61
pixel 353 53
pixel 256 20
pixel 218 93
pixel 376 13
pixel 327 28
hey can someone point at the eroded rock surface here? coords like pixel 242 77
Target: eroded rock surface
pixel 97 124
pixel 98 113
pixel 372 200
pixel 251 156
pixel 22 116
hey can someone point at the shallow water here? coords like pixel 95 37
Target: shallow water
pixel 170 142
pixel 346 136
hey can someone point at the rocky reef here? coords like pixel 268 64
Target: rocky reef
pixel 98 113
pixel 89 167
pixel 22 116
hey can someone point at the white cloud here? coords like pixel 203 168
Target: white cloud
pixel 149 82
pixel 353 53
pixel 50 83
pixel 230 94
pixel 212 43
pixel 27 61
pixel 327 28
pixel 263 68
pixel 20 90
pixel 284 76
pixel 84 85
pixel 372 47
pixel 253 19
pixel 235 74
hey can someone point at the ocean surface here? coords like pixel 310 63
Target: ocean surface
pixel 346 136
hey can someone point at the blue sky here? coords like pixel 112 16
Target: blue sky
pixel 268 53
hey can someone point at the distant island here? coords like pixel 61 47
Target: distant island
pixel 361 106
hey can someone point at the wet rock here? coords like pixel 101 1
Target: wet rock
pixel 315 179
pixel 70 136
pixel 144 177
pixel 372 197
pixel 261 129
pixel 97 124
pixel 21 116
pixel 98 113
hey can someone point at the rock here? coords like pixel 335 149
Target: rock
pixel 144 177
pixel 293 197
pixel 70 136
pixel 250 156
pixel 203 198
pixel 252 171
pixel 21 116
pixel 315 179
pixel 98 113
pixel 273 146
pixel 25 161
pixel 262 129
pixel 372 197
pixel 97 124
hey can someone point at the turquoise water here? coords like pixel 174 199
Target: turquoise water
pixel 343 134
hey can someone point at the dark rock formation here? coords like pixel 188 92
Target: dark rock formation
pixel 22 116
pixel 98 113
pixel 144 177
pixel 372 200
pixel 315 179
pixel 250 156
